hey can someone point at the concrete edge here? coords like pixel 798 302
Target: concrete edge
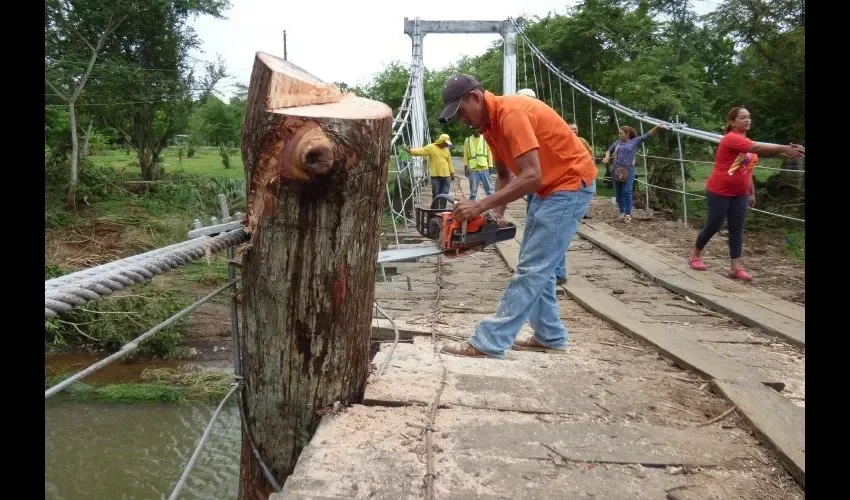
pixel 284 493
pixel 705 299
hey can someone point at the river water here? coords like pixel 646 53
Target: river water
pixel 114 451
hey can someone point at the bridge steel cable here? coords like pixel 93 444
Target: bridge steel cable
pixel 175 493
pixel 684 129
pixel 679 129
pixel 85 286
pixel 135 343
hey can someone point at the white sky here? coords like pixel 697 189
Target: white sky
pixel 346 41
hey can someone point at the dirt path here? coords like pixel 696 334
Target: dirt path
pixel 774 270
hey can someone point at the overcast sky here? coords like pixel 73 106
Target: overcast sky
pixel 345 41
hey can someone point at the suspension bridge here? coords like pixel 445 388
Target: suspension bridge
pixel 671 372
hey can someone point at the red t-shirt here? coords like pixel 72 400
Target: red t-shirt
pixel 733 166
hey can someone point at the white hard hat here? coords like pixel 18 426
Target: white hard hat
pixel 527 92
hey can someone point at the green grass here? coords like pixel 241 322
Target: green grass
pixel 795 242
pixel 116 319
pixel 206 162
pixel 213 272
pixel 162 385
pixel 119 221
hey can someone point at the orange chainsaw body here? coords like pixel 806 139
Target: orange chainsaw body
pixel 451 228
pixel 450 233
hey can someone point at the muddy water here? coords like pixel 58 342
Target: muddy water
pixel 137 451
pixel 129 451
pixel 115 373
pixel 133 450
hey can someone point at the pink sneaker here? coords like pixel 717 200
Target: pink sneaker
pixel 740 274
pixel 697 264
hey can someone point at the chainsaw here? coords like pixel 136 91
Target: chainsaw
pixel 452 234
pixel 449 233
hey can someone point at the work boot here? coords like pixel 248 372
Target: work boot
pixel 532 345
pixel 561 281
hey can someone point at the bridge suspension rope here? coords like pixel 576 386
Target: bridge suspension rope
pixel 68 292
pixel 680 129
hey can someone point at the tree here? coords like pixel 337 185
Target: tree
pixel 770 74
pixel 217 123
pixel 72 31
pixel 388 86
pixel 150 85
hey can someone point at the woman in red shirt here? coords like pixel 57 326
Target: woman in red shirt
pixel 729 189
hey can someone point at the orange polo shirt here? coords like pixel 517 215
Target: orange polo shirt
pixel 519 124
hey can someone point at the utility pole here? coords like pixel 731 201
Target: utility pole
pixel 285 58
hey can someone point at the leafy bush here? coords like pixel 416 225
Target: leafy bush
pixel 114 320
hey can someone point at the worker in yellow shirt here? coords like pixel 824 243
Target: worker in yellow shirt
pixel 477 159
pixel 442 171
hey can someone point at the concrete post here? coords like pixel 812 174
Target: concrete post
pixel 419 120
pixel 509 60
pixel 417 29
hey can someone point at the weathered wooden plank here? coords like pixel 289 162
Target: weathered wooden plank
pixel 673 344
pixel 775 420
pixel 736 305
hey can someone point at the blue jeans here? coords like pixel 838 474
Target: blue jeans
pixel 550 225
pixel 561 270
pixel 476 178
pixel 440 185
pixel 623 191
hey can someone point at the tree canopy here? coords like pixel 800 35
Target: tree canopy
pixel 656 56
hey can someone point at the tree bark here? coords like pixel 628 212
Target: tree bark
pixel 75 155
pixel 87 140
pixel 315 166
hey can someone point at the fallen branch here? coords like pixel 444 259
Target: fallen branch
pixel 76 327
pixel 717 418
pixel 468 310
pixel 681 409
pixel 623 346
pixel 694 309
pixel 126 313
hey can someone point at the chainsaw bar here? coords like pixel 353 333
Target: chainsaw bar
pixel 398 254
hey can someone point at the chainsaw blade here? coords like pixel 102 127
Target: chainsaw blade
pixel 398 254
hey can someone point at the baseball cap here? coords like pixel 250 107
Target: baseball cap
pixel 444 138
pixel 454 89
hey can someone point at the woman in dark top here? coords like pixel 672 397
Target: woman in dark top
pixel 729 189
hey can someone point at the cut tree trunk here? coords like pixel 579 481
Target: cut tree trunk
pixel 315 166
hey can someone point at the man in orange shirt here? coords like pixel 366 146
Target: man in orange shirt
pixel 530 140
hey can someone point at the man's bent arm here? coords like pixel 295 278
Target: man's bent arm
pixel 509 190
